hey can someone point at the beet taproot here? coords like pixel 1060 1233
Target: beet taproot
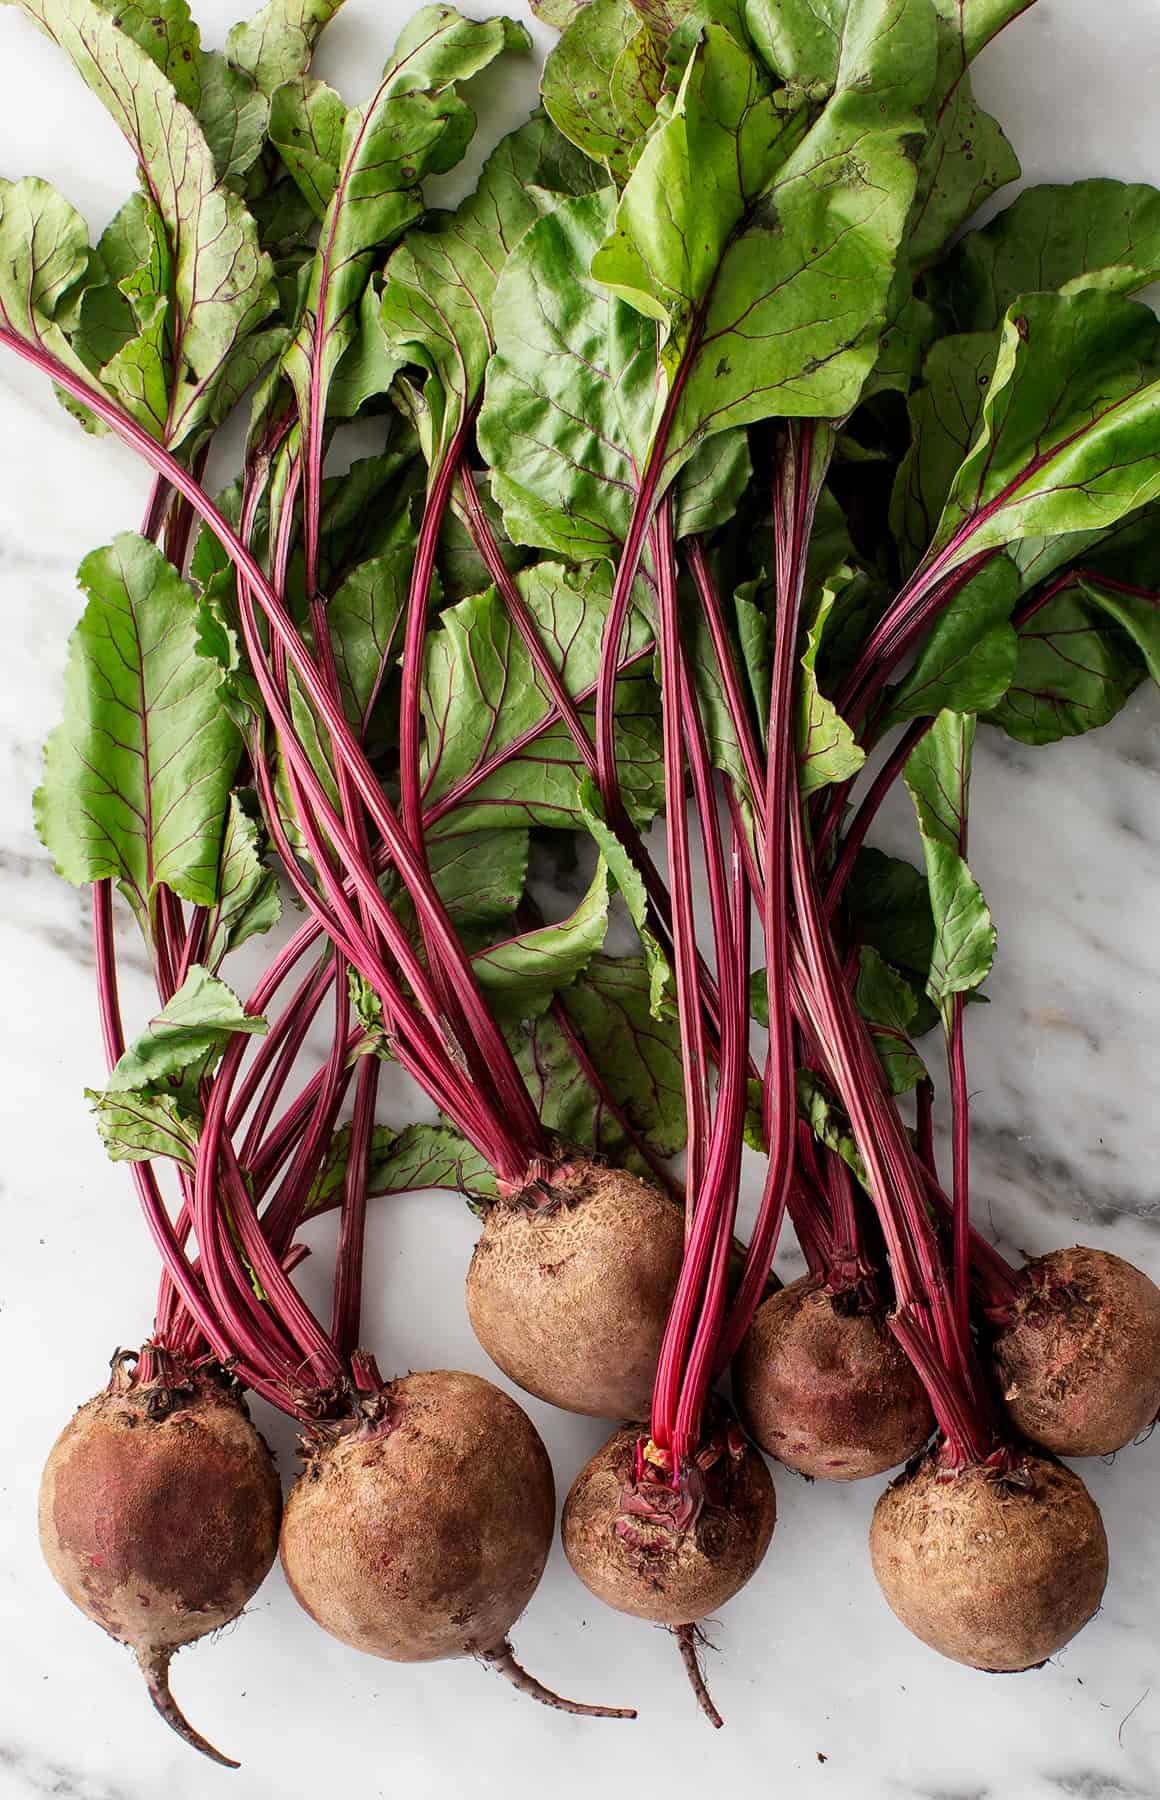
pixel 995 1568
pixel 827 1390
pixel 423 1533
pixel 1078 1363
pixel 570 1298
pixel 159 1514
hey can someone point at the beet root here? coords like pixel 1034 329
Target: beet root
pixel 570 1299
pixel 423 1534
pixel 665 1561
pixel 159 1511
pixel 828 1392
pixel 995 1569
pixel 1079 1362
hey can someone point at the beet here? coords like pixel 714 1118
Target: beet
pixel 1079 1362
pixel 570 1299
pixel 423 1533
pixel 159 1511
pixel 665 1569
pixel 995 1568
pixel 827 1390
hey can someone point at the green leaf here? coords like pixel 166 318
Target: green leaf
pixel 969 657
pixel 966 159
pixel 637 1053
pixel 944 416
pixel 938 774
pixel 1067 441
pixel 136 1127
pixel 482 701
pixel 826 748
pixel 307 119
pixel 44 259
pixel 247 900
pixel 753 635
pixel 479 875
pixel 137 776
pixel 364 617
pixel 441 281
pixel 222 281
pixel 414 125
pixel 186 1038
pixel 403 1162
pixel 890 902
pixel 630 885
pixel 233 117
pixel 521 974
pixel 370 361
pixel 126 325
pixel 888 1003
pixel 278 42
pixel 638 1058
pixel 829 1124
pixel 601 102
pixel 792 317
pixel 1082 234
pixel 569 394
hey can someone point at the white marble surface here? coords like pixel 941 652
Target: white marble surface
pixel 825 1695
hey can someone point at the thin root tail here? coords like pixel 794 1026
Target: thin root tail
pixel 154 1665
pixel 687 1637
pixel 502 1660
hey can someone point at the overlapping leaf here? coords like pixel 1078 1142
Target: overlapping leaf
pixel 137 775
pixel 938 774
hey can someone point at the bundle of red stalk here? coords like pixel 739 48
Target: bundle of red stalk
pixel 643 389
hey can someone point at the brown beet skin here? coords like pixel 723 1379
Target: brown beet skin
pixel 159 1512
pixel 428 1540
pixel 1079 1364
pixel 997 1573
pixel 829 1393
pixel 160 1529
pixel 677 1579
pixel 571 1300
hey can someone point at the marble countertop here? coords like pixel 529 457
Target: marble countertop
pixel 824 1692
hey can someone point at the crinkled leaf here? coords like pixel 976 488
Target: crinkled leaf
pixel 944 416
pixel 364 618
pixel 791 321
pixel 630 885
pixel 1082 234
pixel 591 94
pixel 222 281
pixel 938 774
pixel 479 875
pixel 890 902
pixel 247 901
pixel 966 159
pixel 1067 441
pixel 306 125
pixel 637 1053
pixel 370 361
pixel 278 42
pixel 414 125
pixel 185 1039
pixel 136 1127
pixel 889 1005
pixel 44 258
pixel 437 300
pixel 521 974
pixel 483 701
pixel 969 657
pixel 570 391
pixel 826 748
pixel 137 776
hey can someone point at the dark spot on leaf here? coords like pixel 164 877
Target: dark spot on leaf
pixel 1022 327
pixel 723 368
pixel 408 171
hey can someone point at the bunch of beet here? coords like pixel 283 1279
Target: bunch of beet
pixel 305 621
